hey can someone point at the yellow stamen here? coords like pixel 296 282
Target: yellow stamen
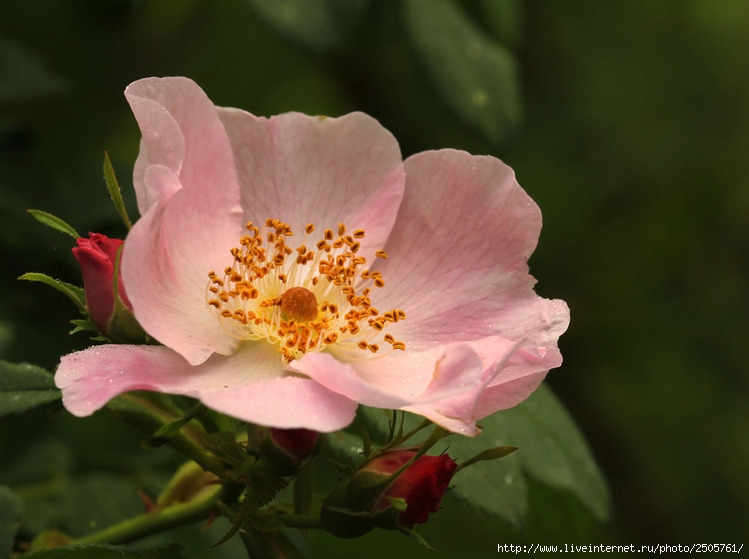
pixel 301 299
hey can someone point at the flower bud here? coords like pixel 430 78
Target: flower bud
pixel 287 450
pixel 297 443
pixel 110 311
pixel 421 485
pixel 372 498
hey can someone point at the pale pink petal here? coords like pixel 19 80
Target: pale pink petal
pixel 508 377
pixel 249 385
pixel 343 378
pixel 303 169
pixel 181 130
pixel 193 216
pixel 458 256
pixel 403 379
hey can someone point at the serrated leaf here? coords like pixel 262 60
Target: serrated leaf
pixel 474 74
pixel 113 187
pixel 10 519
pixel 73 292
pixel 321 24
pixel 24 386
pixel 54 222
pixel 172 551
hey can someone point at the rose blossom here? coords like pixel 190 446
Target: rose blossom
pixel 295 267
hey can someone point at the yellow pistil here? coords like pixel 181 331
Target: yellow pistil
pixel 301 299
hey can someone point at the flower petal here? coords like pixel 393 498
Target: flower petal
pixel 249 385
pixel 180 130
pixel 508 376
pixel 187 187
pixel 458 256
pixel 303 169
pixel 403 379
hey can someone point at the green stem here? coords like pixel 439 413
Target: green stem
pixel 149 412
pixel 303 521
pixel 158 520
pixel 423 425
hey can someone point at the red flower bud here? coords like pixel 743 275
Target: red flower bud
pixel 421 485
pixel 284 451
pixel 298 443
pixel 96 256
pixel 370 498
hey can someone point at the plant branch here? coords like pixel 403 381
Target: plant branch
pixel 157 520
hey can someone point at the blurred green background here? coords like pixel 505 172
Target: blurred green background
pixel 626 120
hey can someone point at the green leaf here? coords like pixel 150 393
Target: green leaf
pixel 109 552
pixel 114 190
pixel 553 450
pixel 24 386
pixel 497 487
pixel 54 222
pixel 321 24
pixel 475 75
pixel 10 519
pixel 74 293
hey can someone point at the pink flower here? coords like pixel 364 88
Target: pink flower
pixel 96 257
pixel 422 485
pixel 412 285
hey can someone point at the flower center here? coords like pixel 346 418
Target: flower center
pixel 298 303
pixel 301 299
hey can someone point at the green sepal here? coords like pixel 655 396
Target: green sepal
pixel 122 326
pixel 488 454
pixel 114 190
pixel 85 325
pixel 54 222
pixel 74 293
pixel 398 503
